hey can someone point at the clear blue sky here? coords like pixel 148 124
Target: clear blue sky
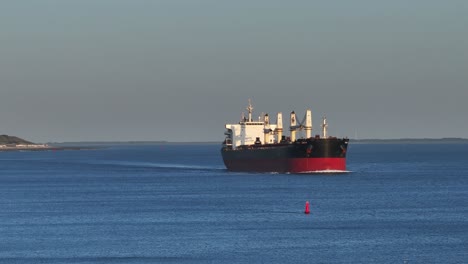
pixel 179 70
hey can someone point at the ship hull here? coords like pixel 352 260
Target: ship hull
pixel 306 156
pixel 291 165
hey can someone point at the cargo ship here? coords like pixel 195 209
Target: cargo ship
pixel 260 146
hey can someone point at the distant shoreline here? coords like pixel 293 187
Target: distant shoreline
pixel 17 144
pixel 363 141
pixel 46 148
pixel 412 141
pixel 90 145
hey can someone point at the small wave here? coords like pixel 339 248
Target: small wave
pixel 325 172
pixel 160 165
pixel 305 172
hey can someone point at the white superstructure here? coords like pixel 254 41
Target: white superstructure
pixel 247 130
pixel 262 131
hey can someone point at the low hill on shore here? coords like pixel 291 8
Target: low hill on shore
pixel 5 140
pixel 411 141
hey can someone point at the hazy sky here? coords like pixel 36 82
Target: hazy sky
pixel 179 70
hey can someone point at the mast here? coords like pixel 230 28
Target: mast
pixel 293 126
pixel 279 126
pixel 308 123
pixel 250 109
pixel 324 127
pixel 266 129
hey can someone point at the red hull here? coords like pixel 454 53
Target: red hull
pixel 293 165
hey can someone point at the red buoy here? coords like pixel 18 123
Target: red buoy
pixel 307 209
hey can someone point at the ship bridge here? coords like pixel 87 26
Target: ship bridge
pixel 247 130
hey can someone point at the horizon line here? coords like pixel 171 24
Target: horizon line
pixel 167 141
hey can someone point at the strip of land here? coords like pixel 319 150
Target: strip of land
pixel 11 143
pixel 412 141
pixel 363 141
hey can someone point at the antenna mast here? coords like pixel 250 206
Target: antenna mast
pixel 250 108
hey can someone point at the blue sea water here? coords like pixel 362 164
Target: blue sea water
pixel 400 203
